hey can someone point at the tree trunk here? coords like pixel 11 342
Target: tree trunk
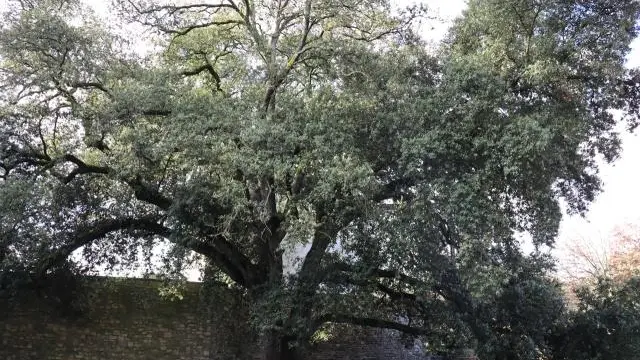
pixel 278 348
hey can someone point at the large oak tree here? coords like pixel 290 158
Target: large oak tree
pixel 252 127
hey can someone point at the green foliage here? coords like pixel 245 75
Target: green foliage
pixel 254 129
pixel 606 323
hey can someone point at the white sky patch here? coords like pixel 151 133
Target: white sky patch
pixel 619 203
pixel 441 13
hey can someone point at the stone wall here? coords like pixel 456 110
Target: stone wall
pixel 128 320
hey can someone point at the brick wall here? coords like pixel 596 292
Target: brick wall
pixel 128 320
pixel 367 344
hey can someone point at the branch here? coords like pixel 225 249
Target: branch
pixel 230 265
pixel 146 193
pixel 312 260
pixel 370 322
pixel 172 9
pixel 219 249
pixel 153 112
pixel 229 257
pixel 397 189
pixel 92 85
pixel 280 76
pixel 379 273
pixel 142 191
pixel 188 29
pixel 449 287
pixel 208 67
pixel 310 275
pixel 88 234
pixel 160 12
pixel 44 161
pixel 82 168
pixel 371 281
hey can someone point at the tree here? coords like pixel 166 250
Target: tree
pixel 585 257
pixel 260 125
pixel 625 258
pixel 605 323
pixel 615 256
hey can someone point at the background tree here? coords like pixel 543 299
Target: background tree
pixel 625 258
pixel 257 126
pixel 616 256
pixel 586 257
pixel 603 320
pixel 604 323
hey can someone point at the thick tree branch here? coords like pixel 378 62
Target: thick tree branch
pixel 82 168
pixel 224 253
pixel 310 275
pixel 87 234
pixel 156 112
pixel 279 76
pixel 206 67
pixel 230 257
pixel 370 322
pixel 311 264
pixel 143 192
pixel 398 189
pixel 92 85
pixel 449 287
pixel 148 194
pixel 231 263
pixel 376 272
pixel 410 301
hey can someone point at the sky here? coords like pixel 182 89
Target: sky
pixel 445 10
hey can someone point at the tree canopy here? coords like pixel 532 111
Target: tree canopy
pixel 250 128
